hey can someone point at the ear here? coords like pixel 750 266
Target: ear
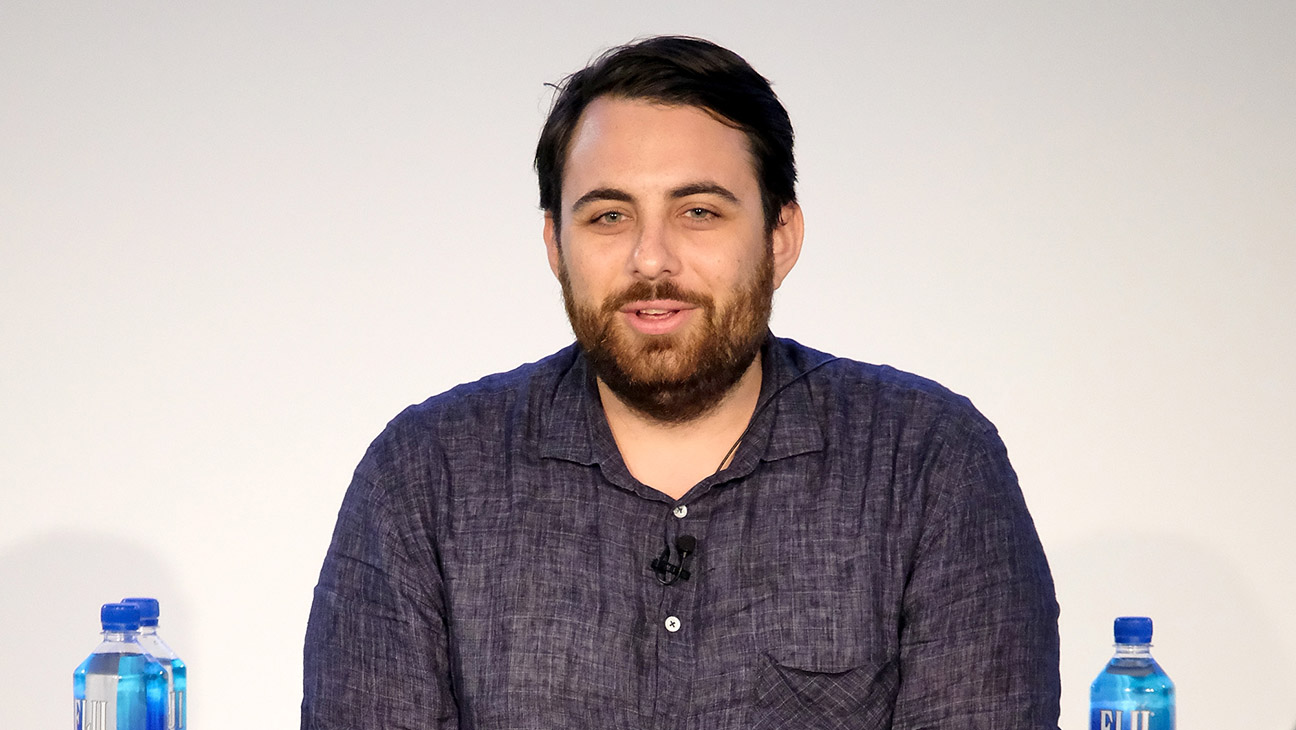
pixel 551 244
pixel 785 241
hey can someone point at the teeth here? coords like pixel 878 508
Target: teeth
pixel 652 311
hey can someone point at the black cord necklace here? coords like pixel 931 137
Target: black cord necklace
pixel 761 407
pixel 667 572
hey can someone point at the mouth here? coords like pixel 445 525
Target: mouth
pixel 657 316
pixel 654 312
pixel 656 308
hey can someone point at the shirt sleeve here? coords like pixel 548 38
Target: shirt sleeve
pixel 376 653
pixel 978 639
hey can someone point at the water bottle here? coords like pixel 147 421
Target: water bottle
pixel 1132 692
pixel 162 654
pixel 119 686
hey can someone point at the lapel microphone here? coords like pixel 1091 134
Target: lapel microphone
pixel 667 572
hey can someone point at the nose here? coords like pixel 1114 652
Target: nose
pixel 654 255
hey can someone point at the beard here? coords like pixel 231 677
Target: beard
pixel 676 377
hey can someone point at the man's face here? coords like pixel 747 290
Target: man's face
pixel 666 268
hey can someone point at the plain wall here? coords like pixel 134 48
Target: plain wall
pixel 236 238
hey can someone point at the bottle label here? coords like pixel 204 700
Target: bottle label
pixel 1130 718
pixel 176 714
pixel 98 711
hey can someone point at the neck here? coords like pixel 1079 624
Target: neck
pixel 672 457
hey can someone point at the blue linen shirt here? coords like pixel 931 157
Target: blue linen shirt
pixel 866 561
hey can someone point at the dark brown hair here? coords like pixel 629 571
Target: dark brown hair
pixel 676 70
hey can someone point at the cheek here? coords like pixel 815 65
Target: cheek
pixel 591 272
pixel 580 284
pixel 730 274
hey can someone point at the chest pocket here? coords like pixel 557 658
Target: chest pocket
pixel 800 692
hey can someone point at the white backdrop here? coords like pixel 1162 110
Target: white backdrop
pixel 237 237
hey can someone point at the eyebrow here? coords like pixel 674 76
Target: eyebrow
pixel 598 194
pixel 704 188
pixel 683 191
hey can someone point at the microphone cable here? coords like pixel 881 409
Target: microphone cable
pixel 667 573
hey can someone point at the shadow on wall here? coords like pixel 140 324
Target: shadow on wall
pixel 51 588
pixel 1211 632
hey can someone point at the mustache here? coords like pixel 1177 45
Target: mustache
pixel 642 291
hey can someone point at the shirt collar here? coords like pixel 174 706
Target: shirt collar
pixel 784 424
pixel 567 428
pixel 788 425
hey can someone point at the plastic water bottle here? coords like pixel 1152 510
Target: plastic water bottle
pixel 162 654
pixel 1132 692
pixel 119 686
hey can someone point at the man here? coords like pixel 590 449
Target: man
pixel 682 521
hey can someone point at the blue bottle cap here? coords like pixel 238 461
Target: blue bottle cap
pixel 148 608
pixel 119 617
pixel 1133 630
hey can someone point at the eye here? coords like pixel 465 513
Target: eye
pixel 700 214
pixel 610 217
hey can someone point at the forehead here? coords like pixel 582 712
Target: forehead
pixel 620 142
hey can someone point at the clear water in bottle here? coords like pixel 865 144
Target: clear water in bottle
pixel 172 664
pixel 119 686
pixel 1132 692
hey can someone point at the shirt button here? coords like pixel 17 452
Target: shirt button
pixel 672 624
pixel 681 511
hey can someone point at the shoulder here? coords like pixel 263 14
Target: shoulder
pixel 924 440
pixel 860 389
pixel 490 398
pixel 486 410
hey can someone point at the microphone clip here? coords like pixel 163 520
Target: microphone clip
pixel 667 572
